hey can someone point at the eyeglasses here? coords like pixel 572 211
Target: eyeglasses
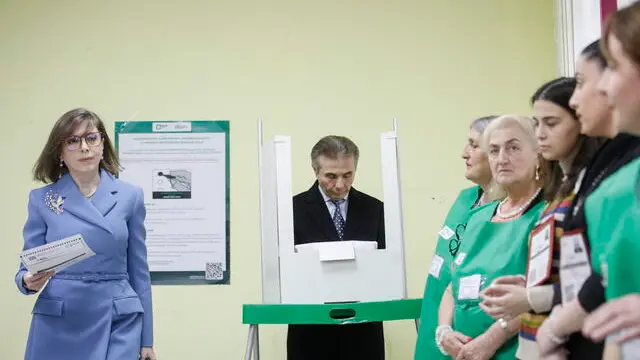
pixel 92 139
pixel 456 241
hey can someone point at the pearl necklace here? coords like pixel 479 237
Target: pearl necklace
pixel 517 211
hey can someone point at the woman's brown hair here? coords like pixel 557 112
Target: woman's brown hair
pixel 559 185
pixel 49 169
pixel 625 26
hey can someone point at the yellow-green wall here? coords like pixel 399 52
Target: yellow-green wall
pixel 308 68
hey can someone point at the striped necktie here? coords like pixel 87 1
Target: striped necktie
pixel 338 220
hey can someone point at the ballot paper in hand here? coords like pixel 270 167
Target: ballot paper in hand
pixel 56 255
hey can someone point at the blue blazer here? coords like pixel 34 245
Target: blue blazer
pixel 99 308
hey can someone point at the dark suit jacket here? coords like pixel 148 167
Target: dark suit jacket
pixel 312 221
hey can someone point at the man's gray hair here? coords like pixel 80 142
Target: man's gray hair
pixel 332 147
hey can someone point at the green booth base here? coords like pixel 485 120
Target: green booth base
pixel 336 314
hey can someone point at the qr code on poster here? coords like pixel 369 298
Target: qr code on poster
pixel 214 271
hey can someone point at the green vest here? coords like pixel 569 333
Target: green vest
pixel 497 249
pixel 440 274
pixel 613 227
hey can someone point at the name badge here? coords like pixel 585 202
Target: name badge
pixel 460 258
pixel 575 267
pixel 541 253
pixel 446 233
pixel 436 266
pixel 469 287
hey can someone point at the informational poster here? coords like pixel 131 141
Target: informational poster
pixel 183 168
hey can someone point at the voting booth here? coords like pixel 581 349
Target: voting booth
pixel 334 282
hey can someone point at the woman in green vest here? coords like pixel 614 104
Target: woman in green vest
pixel 613 211
pixel 595 118
pixel 448 242
pixel 581 283
pixel 494 244
pixel 561 143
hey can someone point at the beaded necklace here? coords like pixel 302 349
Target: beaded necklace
pixel 518 210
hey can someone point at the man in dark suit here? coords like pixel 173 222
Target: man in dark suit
pixel 332 210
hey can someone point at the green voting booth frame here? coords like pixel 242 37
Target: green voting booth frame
pixel 337 314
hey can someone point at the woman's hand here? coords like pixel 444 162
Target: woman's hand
pixel 556 355
pixel 505 298
pixel 510 280
pixel 146 353
pixel 36 282
pixel 544 337
pixel 453 341
pixel 479 348
pixel 617 315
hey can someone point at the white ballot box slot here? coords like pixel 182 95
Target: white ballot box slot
pixel 337 250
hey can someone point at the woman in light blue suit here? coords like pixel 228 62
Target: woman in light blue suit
pixel 99 308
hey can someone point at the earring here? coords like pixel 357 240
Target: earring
pixel 61 163
pixel 537 172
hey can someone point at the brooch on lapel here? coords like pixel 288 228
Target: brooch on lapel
pixel 54 202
